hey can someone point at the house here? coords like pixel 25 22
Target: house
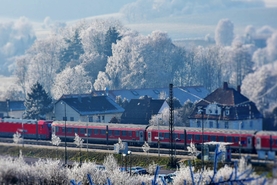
pixel 183 94
pixel 140 111
pixel 12 109
pixel 87 108
pixel 226 108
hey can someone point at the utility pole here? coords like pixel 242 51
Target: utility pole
pixel 171 125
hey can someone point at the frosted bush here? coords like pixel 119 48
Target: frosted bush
pixel 16 171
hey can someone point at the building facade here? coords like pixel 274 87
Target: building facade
pixel 226 108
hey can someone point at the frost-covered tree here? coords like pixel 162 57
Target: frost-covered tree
pixel 55 140
pixel 71 81
pixel 224 33
pixel 38 103
pixel 78 141
pixel 40 63
pixel 260 86
pixel 73 50
pixel 139 62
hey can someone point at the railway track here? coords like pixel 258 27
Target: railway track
pixel 137 149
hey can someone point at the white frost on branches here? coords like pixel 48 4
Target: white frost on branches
pixel 55 140
pixel 17 138
pixel 78 141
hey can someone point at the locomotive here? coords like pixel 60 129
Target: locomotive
pixel 136 135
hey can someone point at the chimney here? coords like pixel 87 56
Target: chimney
pixel 238 88
pixel 225 85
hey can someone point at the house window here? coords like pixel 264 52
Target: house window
pixel 71 118
pixel 217 125
pixel 242 125
pixel 227 112
pixel 90 119
pixel 98 119
pixel 103 117
pixel 198 124
pixel 211 124
pixel 251 124
pixel 226 124
pixel 216 111
pixel 64 118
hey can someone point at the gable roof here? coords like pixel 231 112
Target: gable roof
pixel 87 104
pixel 192 93
pixel 140 111
pixel 228 98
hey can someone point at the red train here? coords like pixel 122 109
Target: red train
pixel 251 141
pixel 30 129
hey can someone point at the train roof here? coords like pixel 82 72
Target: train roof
pixel 97 124
pixel 193 129
pixel 267 133
pixel 13 120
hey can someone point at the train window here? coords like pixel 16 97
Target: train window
pixel 63 129
pixel 137 134
pixel 130 133
pixel 160 134
pixel 276 142
pixel 89 131
pixel 166 135
pixel 189 137
pixel 205 138
pixel 182 137
pixel 117 132
pixel 95 131
pixel 75 130
pixel 124 133
pixel 69 130
pixel 103 132
pixel 236 139
pixel 82 130
pixel 221 138
pixel 197 137
pixel 229 139
pixel 213 138
pixel 110 132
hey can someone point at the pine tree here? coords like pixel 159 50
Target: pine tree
pixel 38 103
pixel 74 50
pixel 111 37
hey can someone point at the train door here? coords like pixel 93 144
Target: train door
pixel 258 143
pixel 249 142
pixel 149 137
pixel 141 137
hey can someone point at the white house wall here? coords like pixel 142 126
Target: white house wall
pixel 254 124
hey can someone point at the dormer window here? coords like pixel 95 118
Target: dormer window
pixel 227 112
